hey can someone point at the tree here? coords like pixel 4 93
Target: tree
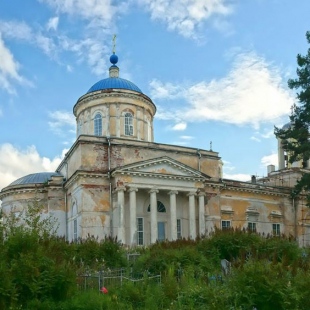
pixel 296 138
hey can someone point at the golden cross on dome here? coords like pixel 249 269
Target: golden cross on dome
pixel 114 43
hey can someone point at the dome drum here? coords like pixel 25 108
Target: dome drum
pixel 102 110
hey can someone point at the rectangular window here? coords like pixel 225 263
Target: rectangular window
pixel 225 225
pixel 252 227
pixel 75 236
pixel 140 238
pixel 179 229
pixel 276 229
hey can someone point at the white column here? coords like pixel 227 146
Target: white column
pixel 153 211
pixel 202 221
pixel 191 215
pixel 120 205
pixel 132 215
pixel 173 215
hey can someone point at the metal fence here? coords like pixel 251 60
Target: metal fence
pixel 113 277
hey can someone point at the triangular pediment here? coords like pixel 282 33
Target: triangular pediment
pixel 162 166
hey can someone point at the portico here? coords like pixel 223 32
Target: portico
pixel 153 207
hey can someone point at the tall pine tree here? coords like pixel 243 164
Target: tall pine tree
pixel 296 138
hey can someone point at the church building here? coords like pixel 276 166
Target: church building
pixel 116 181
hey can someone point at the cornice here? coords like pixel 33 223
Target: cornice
pixel 114 94
pixel 258 190
pixel 84 174
pixel 22 189
pixel 158 176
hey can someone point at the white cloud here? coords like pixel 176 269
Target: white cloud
pixel 186 16
pixel 270 160
pixel 9 69
pixel 46 44
pixel 60 121
pixel 23 32
pixel 69 68
pixel 227 166
pixel 52 23
pixel 237 176
pixel 187 137
pixel 160 90
pixel 255 139
pixel 15 163
pixel 179 126
pixel 97 12
pixel 253 92
pixel 16 30
pixel 265 134
pixel 223 26
pixel 90 49
pixel 163 114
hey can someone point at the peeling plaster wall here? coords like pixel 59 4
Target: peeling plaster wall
pixel 91 197
pixel 242 207
pixel 51 199
pixel 91 154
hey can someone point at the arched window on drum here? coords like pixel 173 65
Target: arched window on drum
pixel 128 124
pixel 98 125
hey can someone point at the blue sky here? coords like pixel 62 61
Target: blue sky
pixel 217 71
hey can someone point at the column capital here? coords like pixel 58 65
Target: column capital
pixel 132 189
pixel 201 193
pixel 192 193
pixel 173 192
pixel 120 188
pixel 153 190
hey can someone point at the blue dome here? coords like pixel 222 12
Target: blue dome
pixel 114 82
pixel 35 178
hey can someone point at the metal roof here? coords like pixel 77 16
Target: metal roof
pixel 114 82
pixel 35 178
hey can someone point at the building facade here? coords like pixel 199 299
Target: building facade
pixel 116 181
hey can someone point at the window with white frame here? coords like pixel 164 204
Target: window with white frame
pixel 98 125
pixel 140 239
pixel 226 225
pixel 252 226
pixel 276 229
pixel 128 124
pixel 179 229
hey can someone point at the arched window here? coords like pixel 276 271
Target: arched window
pixel 160 207
pixel 128 124
pixel 98 125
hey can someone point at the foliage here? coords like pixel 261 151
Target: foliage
pixel 95 254
pixel 38 271
pixel 296 137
